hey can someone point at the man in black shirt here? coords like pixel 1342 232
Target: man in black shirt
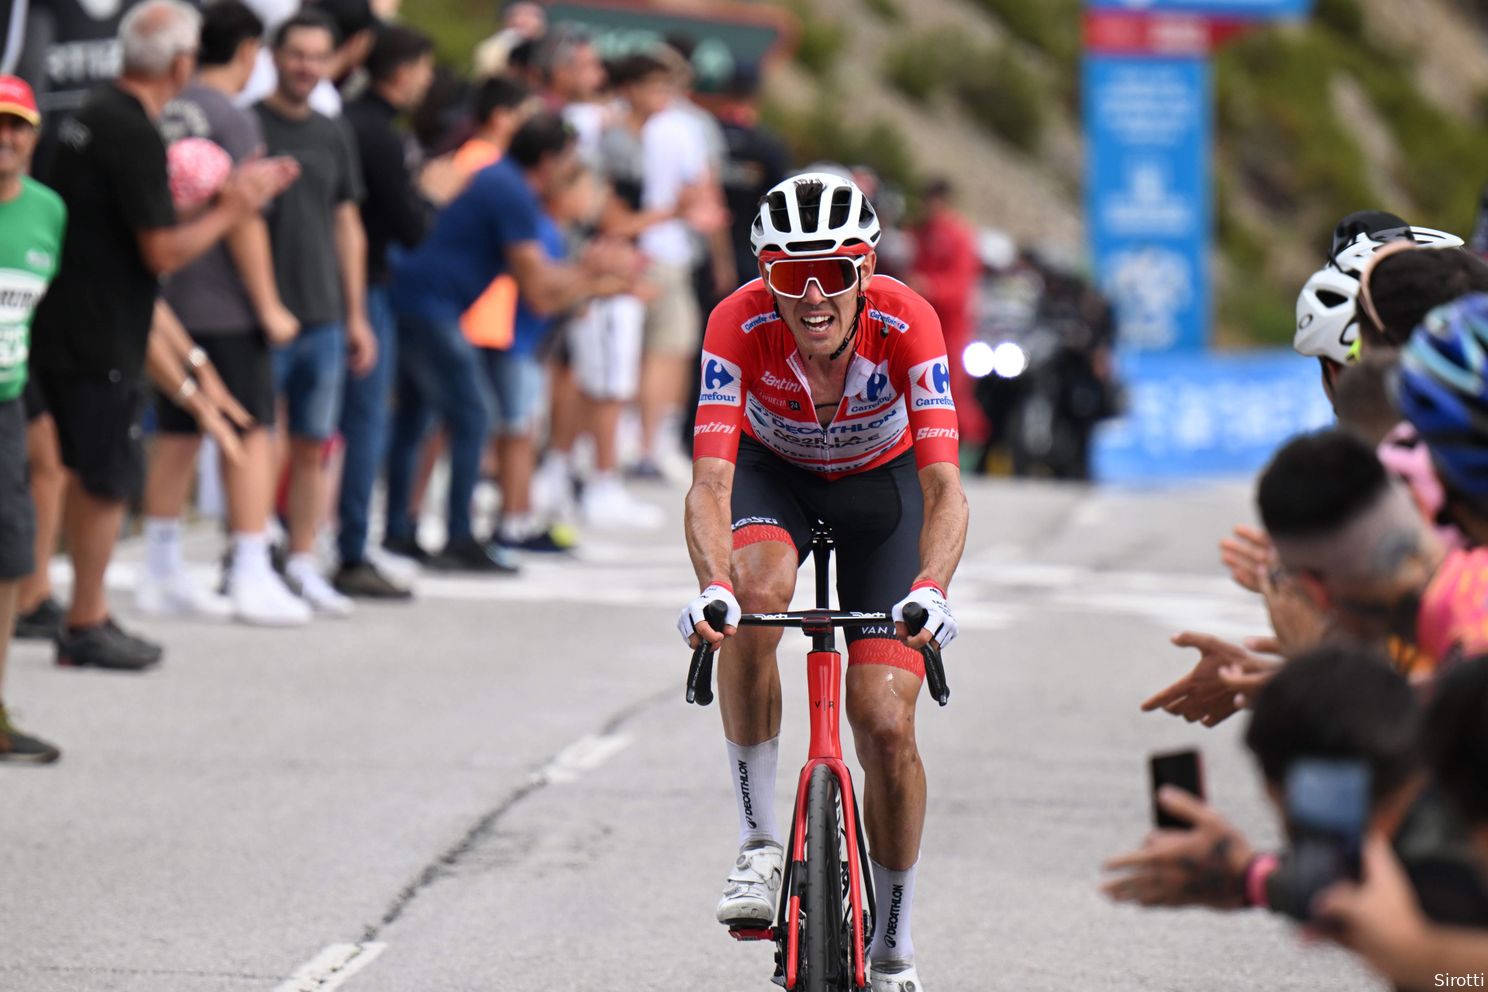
pixel 400 68
pixel 91 330
pixel 320 263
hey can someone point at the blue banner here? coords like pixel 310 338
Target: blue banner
pixel 1208 415
pixel 1148 124
pixel 1209 8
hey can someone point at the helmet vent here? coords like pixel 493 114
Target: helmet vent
pixel 841 205
pixel 808 247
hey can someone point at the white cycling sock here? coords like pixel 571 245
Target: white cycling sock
pixel 162 546
pixel 893 892
pixel 752 768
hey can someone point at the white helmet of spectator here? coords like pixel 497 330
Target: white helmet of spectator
pixel 1327 318
pixel 843 222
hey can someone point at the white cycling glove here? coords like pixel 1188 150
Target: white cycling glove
pixel 692 613
pixel 940 622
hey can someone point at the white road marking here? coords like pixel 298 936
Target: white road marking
pixel 332 967
pixel 583 755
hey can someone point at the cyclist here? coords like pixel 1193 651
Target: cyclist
pixel 825 397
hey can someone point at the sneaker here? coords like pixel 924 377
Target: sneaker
pixel 105 645
pixel 608 505
pixel 402 571
pixel 23 748
pixel 312 587
pixel 557 539
pixel 179 597
pixel 893 976
pixel 364 580
pixel 264 600
pixel 407 547
pixel 553 490
pixel 749 895
pixel 41 624
pixel 470 555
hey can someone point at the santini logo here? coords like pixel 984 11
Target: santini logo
pixel 779 382
pixel 720 381
pixel 926 433
pixel 712 429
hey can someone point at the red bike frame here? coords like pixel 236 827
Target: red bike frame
pixel 824 683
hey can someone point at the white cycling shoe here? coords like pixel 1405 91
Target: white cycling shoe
pixel 894 976
pixel 752 887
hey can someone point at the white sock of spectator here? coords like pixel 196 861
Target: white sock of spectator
pixel 893 892
pixel 162 546
pixel 518 527
pixel 301 565
pixel 250 557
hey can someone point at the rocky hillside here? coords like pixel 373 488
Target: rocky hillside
pixel 1371 103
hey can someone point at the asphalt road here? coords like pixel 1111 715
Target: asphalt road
pixel 499 787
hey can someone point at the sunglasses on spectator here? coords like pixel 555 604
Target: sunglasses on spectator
pixel 792 277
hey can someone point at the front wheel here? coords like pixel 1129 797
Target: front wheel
pixel 824 960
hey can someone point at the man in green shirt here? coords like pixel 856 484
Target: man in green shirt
pixel 32 221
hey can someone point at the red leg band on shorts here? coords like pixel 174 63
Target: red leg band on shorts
pixel 886 651
pixel 755 533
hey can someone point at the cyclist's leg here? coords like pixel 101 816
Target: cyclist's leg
pixel 770 529
pixel 878 518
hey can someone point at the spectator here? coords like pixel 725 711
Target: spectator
pixel 573 76
pixel 32 222
pixel 1334 703
pixel 229 304
pixel 354 26
pixel 515 374
pixel 320 263
pixel 1401 283
pixel 675 176
pixel 91 330
pixel 491 228
pixel 755 161
pixel 1381 917
pixel 945 272
pixel 400 67
pixel 521 22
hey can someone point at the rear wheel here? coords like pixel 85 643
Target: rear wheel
pixel 825 940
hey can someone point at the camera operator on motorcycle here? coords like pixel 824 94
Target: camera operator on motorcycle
pixel 825 398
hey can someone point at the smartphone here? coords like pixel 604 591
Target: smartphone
pixel 1181 769
pixel 1327 811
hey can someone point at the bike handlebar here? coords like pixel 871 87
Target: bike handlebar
pixel 700 672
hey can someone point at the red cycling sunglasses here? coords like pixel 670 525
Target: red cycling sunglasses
pixel 834 275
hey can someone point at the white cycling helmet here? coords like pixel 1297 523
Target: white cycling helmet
pixel 1327 324
pixel 1327 321
pixel 838 221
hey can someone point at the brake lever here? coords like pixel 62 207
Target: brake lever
pixel 700 672
pixel 915 617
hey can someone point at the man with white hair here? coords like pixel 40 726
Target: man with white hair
pixel 91 330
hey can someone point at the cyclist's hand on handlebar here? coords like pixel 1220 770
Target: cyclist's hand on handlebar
pixel 695 629
pixel 940 625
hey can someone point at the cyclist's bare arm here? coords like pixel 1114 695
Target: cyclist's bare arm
pixel 943 535
pixel 709 526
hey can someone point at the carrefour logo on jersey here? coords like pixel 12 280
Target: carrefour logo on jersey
pixel 876 394
pixel 720 381
pixel 888 320
pixel 930 385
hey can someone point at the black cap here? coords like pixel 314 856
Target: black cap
pixel 1364 222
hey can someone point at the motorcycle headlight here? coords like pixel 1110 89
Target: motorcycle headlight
pixel 978 359
pixel 1008 360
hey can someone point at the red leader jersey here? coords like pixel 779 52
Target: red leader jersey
pixel 897 395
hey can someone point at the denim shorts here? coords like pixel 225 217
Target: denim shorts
pixel 309 373
pixel 516 384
